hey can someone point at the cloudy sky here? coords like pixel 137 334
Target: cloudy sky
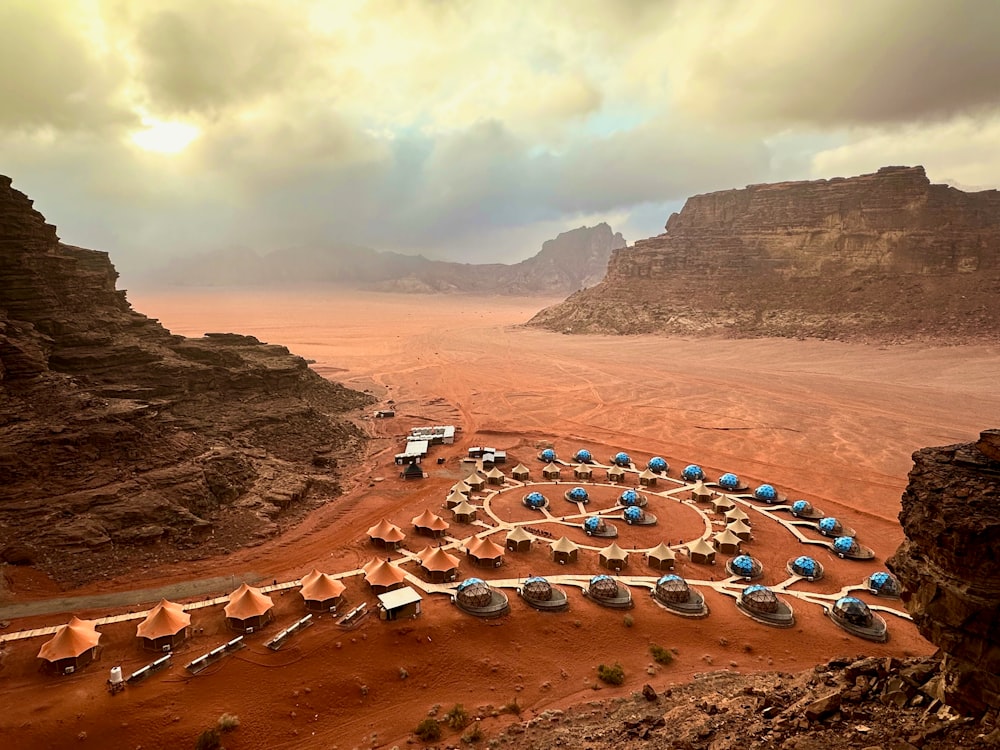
pixel 464 129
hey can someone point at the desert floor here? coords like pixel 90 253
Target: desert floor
pixel 829 422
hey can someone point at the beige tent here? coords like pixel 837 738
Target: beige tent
pixel 564 551
pixel 386 534
pixel 494 476
pixel 613 557
pixel 249 609
pixel 430 524
pixel 484 551
pixel 461 487
pixel 521 473
pixel 737 514
pixel 701 551
pixel 518 540
pixel 73 646
pixel 321 591
pixel 551 471
pixel 583 471
pixel 438 564
pixel 700 493
pixel 464 512
pixel 647 478
pixel 616 474
pixel 661 557
pixel 741 530
pixel 727 542
pixel 165 627
pixel 475 481
pixel 383 576
pixel 454 498
pixel 722 504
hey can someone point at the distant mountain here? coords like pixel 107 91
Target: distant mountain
pixel 572 261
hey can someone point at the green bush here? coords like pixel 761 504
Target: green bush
pixel 512 708
pixel 429 730
pixel 228 722
pixel 475 734
pixel 661 655
pixel 457 717
pixel 210 739
pixel 613 675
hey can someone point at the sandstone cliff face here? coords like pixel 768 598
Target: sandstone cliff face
pixel 119 439
pixel 885 255
pixel 949 565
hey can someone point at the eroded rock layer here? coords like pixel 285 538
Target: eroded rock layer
pixel 121 440
pixel 949 565
pixel 879 256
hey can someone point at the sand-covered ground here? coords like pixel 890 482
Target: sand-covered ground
pixel 832 423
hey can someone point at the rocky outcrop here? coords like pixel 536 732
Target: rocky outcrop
pixel 949 565
pixel 572 261
pixel 879 256
pixel 119 440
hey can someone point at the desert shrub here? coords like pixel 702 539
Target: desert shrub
pixel 613 675
pixel 475 734
pixel 228 722
pixel 429 730
pixel 661 655
pixel 457 717
pixel 512 708
pixel 629 621
pixel 210 739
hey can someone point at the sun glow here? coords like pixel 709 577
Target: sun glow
pixel 164 137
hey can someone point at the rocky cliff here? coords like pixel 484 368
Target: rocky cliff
pixel 572 261
pixel 879 256
pixel 119 440
pixel 949 565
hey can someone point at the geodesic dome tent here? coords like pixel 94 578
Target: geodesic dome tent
pixel 593 524
pixel 621 459
pixel 693 473
pixel 474 593
pixel 844 545
pixel 829 526
pixel 882 583
pixel 806 567
pixel 633 514
pixel 548 456
pixel 537 589
pixel 583 456
pixel 603 587
pixel 805 509
pixel 672 588
pixel 767 493
pixel 745 566
pixel 535 500
pixel 658 465
pixel 729 481
pixel 630 498
pixel 578 495
pixel 758 598
pixel 853 610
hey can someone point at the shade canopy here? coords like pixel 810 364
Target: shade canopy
pixel 166 618
pixel 71 640
pixel 247 602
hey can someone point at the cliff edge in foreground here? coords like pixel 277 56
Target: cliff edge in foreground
pixel 121 442
pixel 885 256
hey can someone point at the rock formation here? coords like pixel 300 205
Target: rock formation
pixel 121 440
pixel 880 256
pixel 572 261
pixel 949 565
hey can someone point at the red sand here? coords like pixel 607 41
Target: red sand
pixel 829 422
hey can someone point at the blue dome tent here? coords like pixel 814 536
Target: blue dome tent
pixel 692 473
pixel 729 481
pixel 535 500
pixel 658 465
pixel 629 498
pixel 882 583
pixel 743 565
pixel 578 495
pixel 804 566
pixel 583 456
pixel 621 459
pixel 548 455
pixel 843 544
pixel 766 492
pixel 800 506
pixel 828 525
pixel 593 523
pixel 633 513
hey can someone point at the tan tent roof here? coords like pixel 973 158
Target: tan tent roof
pixel 583 469
pixel 700 488
pixel 166 618
pixel 551 469
pixel 647 474
pixel 661 552
pixel 617 471
pixel 311 575
pixel 614 552
pixel 494 473
pixel 437 560
pixel 520 468
pixel 737 514
pixel 484 549
pixel 474 480
pixel 380 572
pixel 738 527
pixel 562 544
pixel 71 640
pixel 517 534
pixel 321 587
pixel 727 537
pixel 386 531
pixel 461 487
pixel 702 547
pixel 463 508
pixel 247 602
pixel 429 520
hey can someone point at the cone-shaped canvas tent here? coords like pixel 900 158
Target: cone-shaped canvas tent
pixel 616 474
pixel 494 476
pixel 248 609
pixel 564 551
pixel 386 534
pixel 741 530
pixel 165 626
pixel 737 514
pixel 485 551
pixel 73 646
pixel 722 504
pixel 647 478
pixel 521 473
pixel 454 498
pixel 613 557
pixel 701 552
pixel 583 471
pixel 461 487
pixel 438 564
pixel 464 512
pixel 430 524
pixel 322 592
pixel 475 481
pixel 661 557
pixel 551 471
pixel 727 542
pixel 383 576
pixel 518 540
pixel 700 493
